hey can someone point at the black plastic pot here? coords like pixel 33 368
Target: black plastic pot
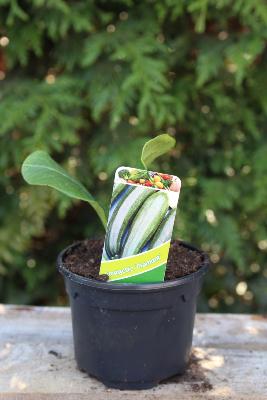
pixel 132 336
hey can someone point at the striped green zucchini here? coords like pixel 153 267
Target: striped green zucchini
pixel 145 223
pixel 123 213
pixel 118 188
pixel 105 256
pixel 164 231
pixel 111 218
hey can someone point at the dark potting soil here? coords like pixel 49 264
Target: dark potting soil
pixel 85 258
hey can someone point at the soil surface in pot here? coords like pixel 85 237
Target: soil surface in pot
pixel 85 258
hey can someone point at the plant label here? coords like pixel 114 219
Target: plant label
pixel 140 225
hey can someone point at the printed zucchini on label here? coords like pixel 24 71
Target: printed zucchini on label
pixel 140 224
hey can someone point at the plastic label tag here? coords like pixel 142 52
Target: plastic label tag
pixel 140 225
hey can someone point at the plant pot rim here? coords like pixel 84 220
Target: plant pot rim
pixel 132 287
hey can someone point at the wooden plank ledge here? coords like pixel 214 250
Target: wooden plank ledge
pixel 229 360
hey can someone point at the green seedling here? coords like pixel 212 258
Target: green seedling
pixel 40 169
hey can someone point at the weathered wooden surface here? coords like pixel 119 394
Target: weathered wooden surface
pixel 36 360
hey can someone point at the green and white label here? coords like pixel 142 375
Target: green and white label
pixel 140 268
pixel 140 225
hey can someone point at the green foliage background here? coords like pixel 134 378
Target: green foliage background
pixel 90 82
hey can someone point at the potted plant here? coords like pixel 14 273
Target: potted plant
pixel 129 336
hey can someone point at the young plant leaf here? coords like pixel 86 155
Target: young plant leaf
pixel 40 169
pixel 156 147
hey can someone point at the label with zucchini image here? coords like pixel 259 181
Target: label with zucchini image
pixel 140 224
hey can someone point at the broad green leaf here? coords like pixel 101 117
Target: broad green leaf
pixel 156 147
pixel 40 169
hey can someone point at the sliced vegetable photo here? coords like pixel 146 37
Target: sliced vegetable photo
pixel 149 178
